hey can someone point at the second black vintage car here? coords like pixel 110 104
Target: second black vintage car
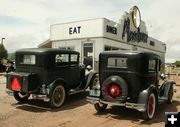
pixel 130 79
pixel 48 74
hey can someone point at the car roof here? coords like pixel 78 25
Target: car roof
pixel 128 52
pixel 45 50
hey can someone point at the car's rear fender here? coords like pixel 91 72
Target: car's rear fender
pixel 143 95
pixel 55 83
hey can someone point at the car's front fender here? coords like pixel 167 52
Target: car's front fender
pixel 164 89
pixel 90 77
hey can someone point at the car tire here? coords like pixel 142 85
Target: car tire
pixel 118 81
pixel 57 97
pixel 170 95
pixel 94 82
pixel 151 107
pixel 20 96
pixel 100 107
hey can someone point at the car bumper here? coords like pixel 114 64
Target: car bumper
pixel 45 98
pixel 41 97
pixel 139 107
pixel 10 92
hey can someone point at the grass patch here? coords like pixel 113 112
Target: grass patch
pixel 178 96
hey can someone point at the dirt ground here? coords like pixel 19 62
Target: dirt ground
pixel 76 112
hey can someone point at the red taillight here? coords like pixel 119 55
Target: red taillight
pixel 114 90
pixel 16 85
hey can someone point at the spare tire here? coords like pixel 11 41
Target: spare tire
pixel 114 88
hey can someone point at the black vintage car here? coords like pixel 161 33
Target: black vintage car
pixel 48 74
pixel 2 67
pixel 130 79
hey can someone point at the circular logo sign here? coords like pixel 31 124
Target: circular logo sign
pixel 136 16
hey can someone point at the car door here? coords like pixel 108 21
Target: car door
pixel 74 70
pixel 153 71
pixel 62 68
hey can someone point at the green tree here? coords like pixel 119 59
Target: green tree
pixel 177 63
pixel 11 56
pixel 3 52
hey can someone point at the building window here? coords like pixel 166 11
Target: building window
pixel 152 43
pixel 109 48
pixel 88 54
pixel 67 48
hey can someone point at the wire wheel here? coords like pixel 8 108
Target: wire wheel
pixel 94 83
pixel 58 96
pixel 151 107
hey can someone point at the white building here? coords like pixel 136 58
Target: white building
pixel 90 37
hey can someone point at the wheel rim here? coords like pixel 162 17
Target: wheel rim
pixel 58 96
pixel 151 105
pixel 94 83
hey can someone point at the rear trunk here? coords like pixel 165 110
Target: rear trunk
pixel 23 82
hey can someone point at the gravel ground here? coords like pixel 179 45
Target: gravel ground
pixel 76 112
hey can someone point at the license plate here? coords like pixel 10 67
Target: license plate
pixel 94 93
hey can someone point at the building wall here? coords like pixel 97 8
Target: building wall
pixel 78 46
pixel 78 29
pixel 103 33
pixel 99 45
pixel 97 28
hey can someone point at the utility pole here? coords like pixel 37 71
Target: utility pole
pixel 2 40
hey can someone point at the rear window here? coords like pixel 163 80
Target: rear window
pixel 116 62
pixel 28 59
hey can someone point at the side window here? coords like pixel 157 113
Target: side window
pixel 61 59
pixel 74 58
pixel 152 65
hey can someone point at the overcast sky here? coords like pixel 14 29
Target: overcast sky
pixel 26 23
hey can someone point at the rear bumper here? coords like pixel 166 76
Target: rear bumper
pixel 45 98
pixel 139 107
pixel 41 97
pixel 9 92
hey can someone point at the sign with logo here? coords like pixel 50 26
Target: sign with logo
pixel 136 17
pixel 75 30
pixel 134 35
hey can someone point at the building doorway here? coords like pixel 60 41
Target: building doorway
pixel 88 54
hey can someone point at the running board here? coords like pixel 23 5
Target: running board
pixel 74 91
pixel 162 100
